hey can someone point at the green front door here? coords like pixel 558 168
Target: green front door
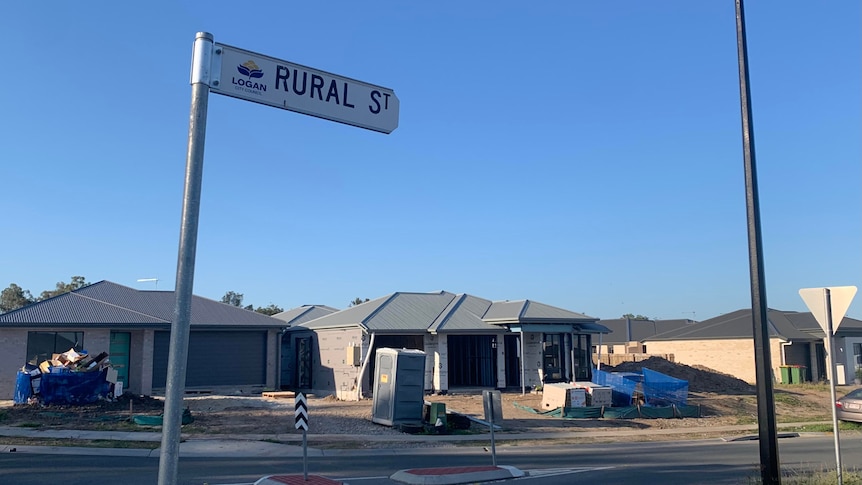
pixel 119 355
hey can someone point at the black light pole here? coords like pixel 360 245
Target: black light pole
pixel 770 470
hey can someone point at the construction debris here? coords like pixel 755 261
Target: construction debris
pixel 73 377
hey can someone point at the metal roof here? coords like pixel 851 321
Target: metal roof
pixel 625 330
pixel 109 304
pixel 790 326
pixel 304 313
pixel 849 327
pixel 464 315
pixel 399 312
pixel 445 312
pixel 526 311
pixel 733 325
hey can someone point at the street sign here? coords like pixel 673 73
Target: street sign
pixel 840 297
pixel 262 79
pixel 301 412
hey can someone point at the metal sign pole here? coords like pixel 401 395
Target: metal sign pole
pixel 304 455
pixel 179 345
pixel 493 444
pixel 770 470
pixel 833 369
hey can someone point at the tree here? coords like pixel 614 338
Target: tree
pixel 77 282
pixel 14 297
pixel 235 299
pixel 358 301
pixel 232 298
pixel 631 316
pixel 269 310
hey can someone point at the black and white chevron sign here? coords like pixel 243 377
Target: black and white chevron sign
pixel 301 413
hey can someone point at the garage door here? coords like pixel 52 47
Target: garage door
pixel 215 359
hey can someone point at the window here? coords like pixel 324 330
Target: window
pixel 42 345
pixel 582 358
pixel 553 357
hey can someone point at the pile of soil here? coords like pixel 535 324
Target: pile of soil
pixel 700 378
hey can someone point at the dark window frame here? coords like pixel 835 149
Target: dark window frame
pixel 41 346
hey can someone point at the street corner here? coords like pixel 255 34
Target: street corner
pixel 455 475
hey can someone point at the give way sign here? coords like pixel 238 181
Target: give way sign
pixel 840 298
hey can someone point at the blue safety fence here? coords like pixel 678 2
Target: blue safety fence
pixel 627 412
pixel 622 385
pixel 662 390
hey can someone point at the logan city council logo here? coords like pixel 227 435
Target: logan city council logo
pixel 251 71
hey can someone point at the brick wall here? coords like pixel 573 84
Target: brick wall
pixel 730 356
pixel 13 341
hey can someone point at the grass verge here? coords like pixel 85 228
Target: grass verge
pixel 73 442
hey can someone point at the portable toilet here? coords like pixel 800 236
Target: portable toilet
pixel 399 387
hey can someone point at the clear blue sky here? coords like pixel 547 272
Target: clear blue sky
pixel 586 155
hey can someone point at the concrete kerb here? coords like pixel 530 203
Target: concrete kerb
pixel 455 475
pixel 288 444
pixel 296 480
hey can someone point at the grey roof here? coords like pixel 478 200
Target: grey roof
pixel 464 315
pixel 445 312
pixel 790 326
pixel 397 313
pixel 109 304
pixel 625 330
pixel 304 313
pixel 805 321
pixel 526 311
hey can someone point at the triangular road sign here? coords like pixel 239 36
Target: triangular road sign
pixel 839 296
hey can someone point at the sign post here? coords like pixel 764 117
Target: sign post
pixel 253 77
pixel 179 345
pixel 493 411
pixel 828 304
pixel 301 417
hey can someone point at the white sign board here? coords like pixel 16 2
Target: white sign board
pixel 839 296
pixel 262 79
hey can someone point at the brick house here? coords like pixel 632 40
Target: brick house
pixel 229 348
pixel 726 343
pixel 470 342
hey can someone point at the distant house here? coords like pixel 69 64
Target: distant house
pixel 229 347
pixel 295 316
pixel 470 342
pixel 726 343
pixel 628 334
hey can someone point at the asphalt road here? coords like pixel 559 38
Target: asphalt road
pixel 688 462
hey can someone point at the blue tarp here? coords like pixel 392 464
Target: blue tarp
pixel 74 387
pixel 622 385
pixel 23 388
pixel 664 390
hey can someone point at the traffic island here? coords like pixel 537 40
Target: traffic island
pixel 296 480
pixel 455 475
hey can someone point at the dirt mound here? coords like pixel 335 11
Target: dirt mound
pixel 700 378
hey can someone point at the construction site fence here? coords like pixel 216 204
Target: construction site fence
pixel 622 386
pixel 625 412
pixel 663 390
pixel 659 390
